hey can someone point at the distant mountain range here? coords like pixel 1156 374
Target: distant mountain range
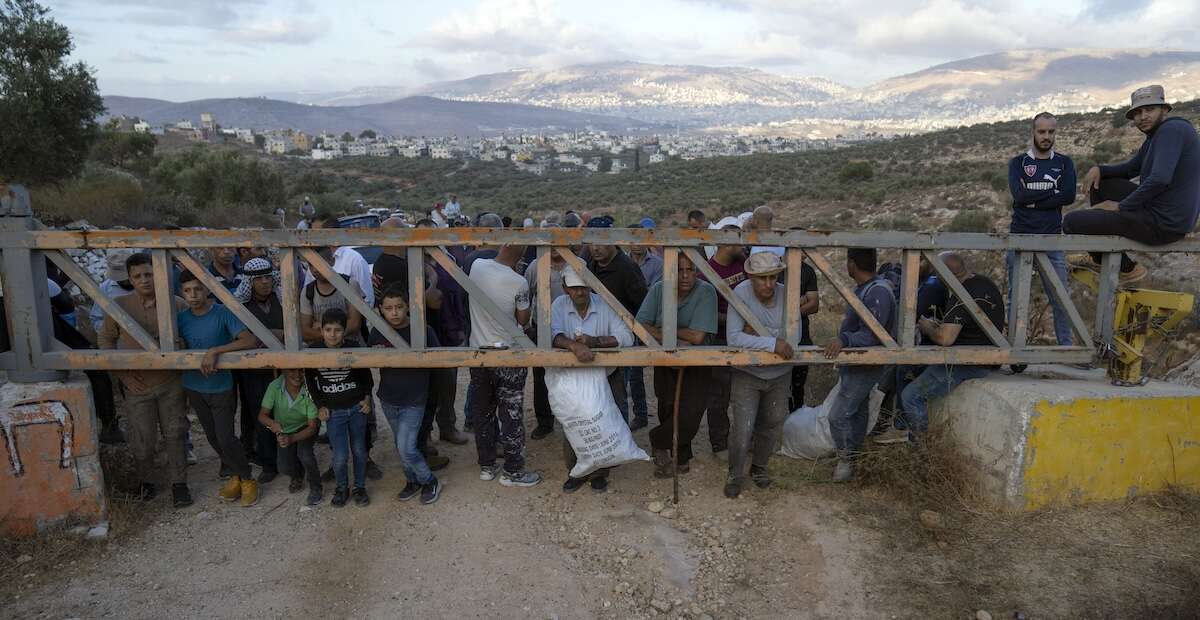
pixel 981 89
pixel 410 116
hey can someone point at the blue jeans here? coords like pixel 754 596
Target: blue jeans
pixel 406 425
pixel 934 382
pixel 635 383
pixel 849 413
pixel 1062 323
pixel 347 429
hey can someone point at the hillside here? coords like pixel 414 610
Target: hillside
pixel 411 116
pixel 988 88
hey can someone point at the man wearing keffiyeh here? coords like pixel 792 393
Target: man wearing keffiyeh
pixel 259 292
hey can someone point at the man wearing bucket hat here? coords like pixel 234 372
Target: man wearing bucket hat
pixel 759 393
pixel 1162 207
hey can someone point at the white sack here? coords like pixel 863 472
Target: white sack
pixel 806 432
pixel 583 403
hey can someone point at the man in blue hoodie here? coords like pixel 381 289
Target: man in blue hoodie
pixel 1161 208
pixel 848 415
pixel 1042 182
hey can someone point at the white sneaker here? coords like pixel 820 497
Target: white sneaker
pixel 488 472
pixel 844 471
pixel 520 479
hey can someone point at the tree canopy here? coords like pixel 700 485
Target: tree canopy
pixel 48 108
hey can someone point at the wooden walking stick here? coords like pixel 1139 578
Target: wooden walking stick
pixel 675 434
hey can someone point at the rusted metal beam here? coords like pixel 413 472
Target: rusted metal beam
pixel 964 298
pixel 109 306
pixel 852 300
pixel 1018 302
pixel 222 294
pixel 544 337
pixel 723 290
pixel 289 293
pixel 634 356
pixel 793 321
pixel 480 299
pixel 906 320
pixel 416 298
pixel 430 237
pixel 670 298
pixel 596 285
pixel 354 298
pixel 1106 297
pixel 1059 289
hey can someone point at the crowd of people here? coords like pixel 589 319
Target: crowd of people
pixel 274 420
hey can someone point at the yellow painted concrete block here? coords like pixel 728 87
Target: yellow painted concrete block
pixel 1099 449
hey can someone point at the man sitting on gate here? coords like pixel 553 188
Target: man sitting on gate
pixel 1162 208
pixel 958 327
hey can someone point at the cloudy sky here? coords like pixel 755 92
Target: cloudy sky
pixel 217 48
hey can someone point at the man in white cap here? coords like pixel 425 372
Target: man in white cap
pixel 580 322
pixel 1163 206
pixel 759 393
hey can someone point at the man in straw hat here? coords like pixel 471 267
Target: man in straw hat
pixel 759 393
pixel 1163 206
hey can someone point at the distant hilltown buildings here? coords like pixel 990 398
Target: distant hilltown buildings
pixel 567 152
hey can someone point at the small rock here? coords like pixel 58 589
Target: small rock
pixel 660 606
pixel 982 615
pixel 656 507
pixel 931 519
pixel 746 522
pixel 204 515
pixel 25 558
pixel 306 509
pixel 667 513
pixel 100 532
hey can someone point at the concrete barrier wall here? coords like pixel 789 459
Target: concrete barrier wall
pixel 1057 435
pixel 49 457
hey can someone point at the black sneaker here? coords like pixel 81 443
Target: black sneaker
pixel 599 484
pixel 323 439
pixel 295 484
pixel 314 496
pixel 573 484
pixel 410 490
pixel 760 477
pixel 431 492
pixel 327 476
pixel 112 434
pixel 267 475
pixel 541 432
pixel 437 462
pixel 340 495
pixel 372 470
pixel 181 497
pixel 360 497
pixel 662 464
pixel 469 426
pixel 733 488
pixel 147 492
pixel 1018 368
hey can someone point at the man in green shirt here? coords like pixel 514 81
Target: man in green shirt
pixel 288 412
pixel 696 321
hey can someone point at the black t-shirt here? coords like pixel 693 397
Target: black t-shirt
pixel 389 269
pixel 808 284
pixel 403 387
pixel 623 278
pixel 987 296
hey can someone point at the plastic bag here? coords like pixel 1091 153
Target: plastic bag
pixel 583 403
pixel 806 432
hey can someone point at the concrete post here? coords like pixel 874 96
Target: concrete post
pixel 26 297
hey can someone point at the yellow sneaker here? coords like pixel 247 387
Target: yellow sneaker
pixel 249 493
pixel 232 489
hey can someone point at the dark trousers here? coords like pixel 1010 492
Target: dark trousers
pixel 720 378
pixel 498 408
pixel 216 413
pixel 425 431
pixel 541 400
pixel 297 460
pixel 1136 225
pixel 252 386
pixel 443 387
pixel 693 397
pixel 616 382
pixel 799 379
pixel 102 396
pixel 247 424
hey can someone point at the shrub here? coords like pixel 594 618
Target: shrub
pixel 856 171
pixel 971 220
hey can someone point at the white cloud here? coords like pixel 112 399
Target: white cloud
pixel 137 57
pixel 293 32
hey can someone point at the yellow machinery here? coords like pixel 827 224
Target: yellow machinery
pixel 1139 313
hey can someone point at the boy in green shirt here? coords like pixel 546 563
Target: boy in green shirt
pixel 288 412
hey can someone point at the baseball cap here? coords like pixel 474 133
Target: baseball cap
pixel 570 278
pixel 115 264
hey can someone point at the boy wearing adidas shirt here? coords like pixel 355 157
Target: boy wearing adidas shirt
pixel 343 399
pixel 1042 182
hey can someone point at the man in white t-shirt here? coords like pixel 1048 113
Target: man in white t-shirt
pixel 498 394
pixel 347 262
